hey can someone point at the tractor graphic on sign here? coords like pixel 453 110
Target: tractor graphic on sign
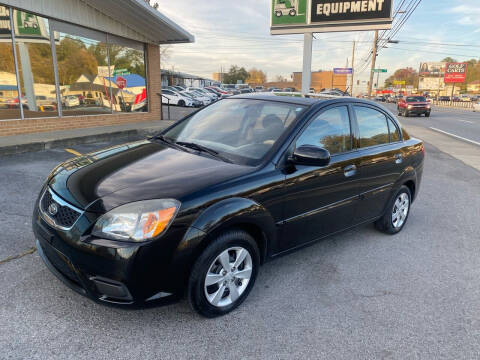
pixel 30 21
pixel 286 7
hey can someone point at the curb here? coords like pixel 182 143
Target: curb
pixel 127 135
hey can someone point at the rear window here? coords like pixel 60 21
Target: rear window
pixel 416 99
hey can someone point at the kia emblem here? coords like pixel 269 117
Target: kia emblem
pixel 53 209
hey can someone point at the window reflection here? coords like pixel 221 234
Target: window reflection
pixel 129 88
pixel 9 108
pixel 83 75
pixel 372 125
pixel 35 65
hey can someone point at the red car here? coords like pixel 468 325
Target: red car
pixel 414 105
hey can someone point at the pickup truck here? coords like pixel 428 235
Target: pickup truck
pixel 414 105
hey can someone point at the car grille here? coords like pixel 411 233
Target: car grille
pixel 61 263
pixel 65 215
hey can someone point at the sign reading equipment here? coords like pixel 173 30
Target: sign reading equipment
pixel 301 16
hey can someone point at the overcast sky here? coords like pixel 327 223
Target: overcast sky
pixel 229 32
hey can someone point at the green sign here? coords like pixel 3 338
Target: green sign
pixel 28 24
pixel 286 12
pixel 121 72
pixel 379 70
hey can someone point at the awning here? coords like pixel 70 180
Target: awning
pixel 144 19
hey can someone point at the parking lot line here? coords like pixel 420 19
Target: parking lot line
pixel 456 136
pixel 71 151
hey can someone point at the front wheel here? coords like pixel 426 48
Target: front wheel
pixel 292 12
pixel 224 274
pixel 181 103
pixel 397 212
pixel 278 13
pixel 427 114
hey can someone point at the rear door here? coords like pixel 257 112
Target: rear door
pixel 380 159
pixel 320 200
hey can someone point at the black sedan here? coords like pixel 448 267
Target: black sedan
pixel 198 208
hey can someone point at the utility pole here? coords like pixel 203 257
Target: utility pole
pixel 374 58
pixel 353 65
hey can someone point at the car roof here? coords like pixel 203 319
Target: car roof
pixel 292 99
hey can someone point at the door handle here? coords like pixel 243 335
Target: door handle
pixel 398 158
pixel 349 170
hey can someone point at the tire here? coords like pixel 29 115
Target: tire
pixel 235 242
pixel 427 114
pixel 406 114
pixel 278 14
pixel 399 112
pixel 181 103
pixel 387 222
pixel 292 12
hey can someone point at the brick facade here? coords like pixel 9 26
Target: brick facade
pixel 154 86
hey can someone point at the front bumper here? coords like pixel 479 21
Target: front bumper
pixel 124 274
pixel 418 110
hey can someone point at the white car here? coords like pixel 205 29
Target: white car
pixel 200 96
pixel 171 97
pixel 206 93
pixel 71 101
pixel 476 107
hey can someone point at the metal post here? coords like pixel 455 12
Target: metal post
pixel 110 75
pixel 17 73
pixel 307 62
pixel 55 69
pixel 453 92
pixel 353 65
pixel 374 58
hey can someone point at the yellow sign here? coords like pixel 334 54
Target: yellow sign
pixel 398 82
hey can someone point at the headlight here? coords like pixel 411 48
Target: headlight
pixel 138 221
pixel 428 106
pixel 410 106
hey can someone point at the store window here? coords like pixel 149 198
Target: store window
pixel 9 102
pixel 127 59
pixel 35 65
pixel 83 71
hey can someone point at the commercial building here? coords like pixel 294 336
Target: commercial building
pixel 80 63
pixel 474 87
pixel 431 78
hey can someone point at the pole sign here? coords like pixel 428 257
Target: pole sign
pixel 455 72
pixel 308 16
pixel 343 71
pixel 121 82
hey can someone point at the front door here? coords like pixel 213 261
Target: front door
pixel 320 200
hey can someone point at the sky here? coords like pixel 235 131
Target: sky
pixel 231 32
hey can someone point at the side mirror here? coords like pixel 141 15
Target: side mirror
pixel 310 155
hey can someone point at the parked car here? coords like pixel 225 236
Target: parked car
pixel 444 98
pixel 196 102
pixel 379 98
pixel 205 100
pixel 414 105
pixel 171 97
pixel 176 88
pixel 71 101
pixel 223 92
pixel 199 207
pixel 289 89
pixel 45 103
pixel 259 88
pixel 206 93
pixel 465 98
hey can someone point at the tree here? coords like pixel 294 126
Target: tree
pixel 234 74
pixel 256 76
pixel 409 75
pixel 449 59
pixel 74 60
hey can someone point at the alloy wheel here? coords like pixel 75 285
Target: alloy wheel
pixel 400 210
pixel 228 276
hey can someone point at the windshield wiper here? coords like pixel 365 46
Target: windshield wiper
pixel 202 148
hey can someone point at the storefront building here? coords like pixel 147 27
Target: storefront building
pixel 68 64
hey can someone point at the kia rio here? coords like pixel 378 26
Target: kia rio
pixel 199 207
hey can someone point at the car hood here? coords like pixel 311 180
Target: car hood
pixel 142 170
pixel 417 103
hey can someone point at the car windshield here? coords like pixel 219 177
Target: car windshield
pixel 241 130
pixel 416 99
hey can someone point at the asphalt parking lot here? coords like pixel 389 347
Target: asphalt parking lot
pixel 358 295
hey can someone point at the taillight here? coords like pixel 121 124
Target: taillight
pixel 423 150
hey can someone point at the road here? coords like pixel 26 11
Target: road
pixel 358 295
pixel 459 122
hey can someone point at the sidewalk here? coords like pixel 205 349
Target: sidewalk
pixel 46 140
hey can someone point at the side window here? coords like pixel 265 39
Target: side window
pixel 394 133
pixel 330 130
pixel 372 125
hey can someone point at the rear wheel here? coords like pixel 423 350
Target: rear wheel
pixel 278 13
pixel 397 212
pixel 224 274
pixel 292 12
